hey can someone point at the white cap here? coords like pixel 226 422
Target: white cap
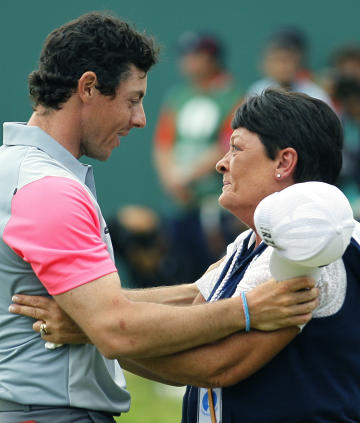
pixel 309 225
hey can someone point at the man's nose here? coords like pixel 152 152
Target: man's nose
pixel 139 118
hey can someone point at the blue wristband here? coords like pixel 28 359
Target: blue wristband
pixel 246 311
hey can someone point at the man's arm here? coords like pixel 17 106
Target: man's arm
pixel 73 270
pixel 221 363
pixel 170 176
pixel 119 327
pixel 172 295
pixel 205 164
pixel 122 328
pixel 184 294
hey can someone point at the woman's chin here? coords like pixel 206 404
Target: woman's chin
pixel 225 202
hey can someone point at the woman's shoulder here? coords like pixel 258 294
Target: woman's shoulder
pixel 238 242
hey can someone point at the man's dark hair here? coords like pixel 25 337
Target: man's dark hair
pixel 95 42
pixel 288 38
pixel 296 120
pixel 192 42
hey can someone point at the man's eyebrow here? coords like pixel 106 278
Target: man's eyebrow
pixel 139 93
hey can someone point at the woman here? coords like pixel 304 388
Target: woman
pixel 279 139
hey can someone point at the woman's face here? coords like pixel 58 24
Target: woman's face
pixel 249 175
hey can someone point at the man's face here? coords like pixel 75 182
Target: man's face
pixel 106 119
pixel 352 107
pixel 282 65
pixel 350 67
pixel 197 65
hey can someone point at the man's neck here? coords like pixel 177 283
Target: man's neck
pixel 62 125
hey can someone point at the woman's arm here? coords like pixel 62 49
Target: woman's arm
pixel 223 363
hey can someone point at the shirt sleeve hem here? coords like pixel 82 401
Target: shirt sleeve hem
pixel 82 279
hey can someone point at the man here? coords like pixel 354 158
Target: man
pixel 347 94
pixel 283 66
pixel 88 92
pixel 191 132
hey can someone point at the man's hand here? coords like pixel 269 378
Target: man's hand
pixel 61 329
pixel 274 305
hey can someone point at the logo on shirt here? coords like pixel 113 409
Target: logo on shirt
pixel 205 406
pixel 204 411
pixel 106 230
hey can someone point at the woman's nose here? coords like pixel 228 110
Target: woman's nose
pixel 222 164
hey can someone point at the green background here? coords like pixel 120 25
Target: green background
pixel 129 177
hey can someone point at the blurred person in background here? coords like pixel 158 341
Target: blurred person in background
pixel 342 83
pixel 344 60
pixel 141 247
pixel 346 91
pixel 192 129
pixel 284 65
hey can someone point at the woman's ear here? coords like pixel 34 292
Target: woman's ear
pixel 87 86
pixel 286 163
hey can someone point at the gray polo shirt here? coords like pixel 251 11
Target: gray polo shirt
pixel 73 375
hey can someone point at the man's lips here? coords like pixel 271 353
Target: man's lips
pixel 123 133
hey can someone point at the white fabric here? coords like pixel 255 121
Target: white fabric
pixel 332 282
pixel 310 223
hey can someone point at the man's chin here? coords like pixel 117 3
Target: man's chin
pixel 100 156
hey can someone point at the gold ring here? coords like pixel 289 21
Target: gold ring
pixel 43 329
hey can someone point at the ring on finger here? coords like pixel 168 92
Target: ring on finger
pixel 43 329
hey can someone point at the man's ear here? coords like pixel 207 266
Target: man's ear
pixel 286 159
pixel 87 86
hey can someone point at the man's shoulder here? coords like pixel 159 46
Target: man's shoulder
pixel 37 164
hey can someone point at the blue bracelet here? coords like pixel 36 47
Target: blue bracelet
pixel 246 311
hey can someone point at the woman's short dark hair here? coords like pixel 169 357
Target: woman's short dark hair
pixel 282 119
pixel 95 42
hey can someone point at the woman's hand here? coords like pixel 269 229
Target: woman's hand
pixel 274 305
pixel 60 329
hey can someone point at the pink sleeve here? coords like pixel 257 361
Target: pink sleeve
pixel 54 226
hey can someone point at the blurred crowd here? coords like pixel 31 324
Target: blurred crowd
pixel 192 134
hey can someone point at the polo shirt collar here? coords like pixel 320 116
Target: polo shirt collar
pixel 18 133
